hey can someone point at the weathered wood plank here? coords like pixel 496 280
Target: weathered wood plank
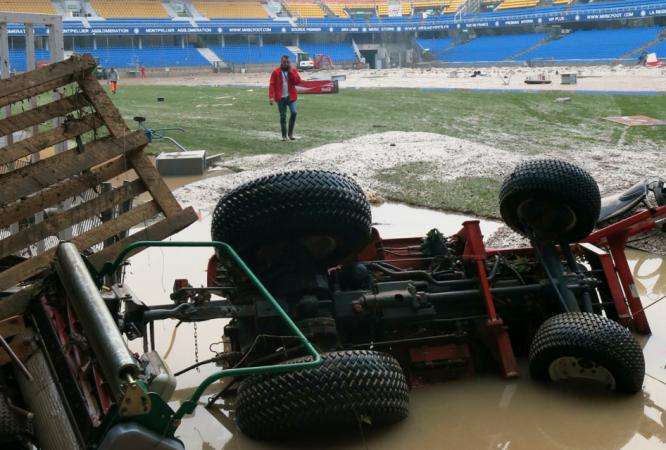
pixel 69 130
pixel 30 179
pixel 63 72
pixel 139 161
pixel 18 302
pixel 37 90
pixel 42 114
pixel 42 262
pixel 155 183
pixel 29 206
pixel 156 232
pixel 12 326
pixel 104 106
pixel 50 226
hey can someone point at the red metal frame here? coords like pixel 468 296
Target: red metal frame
pixel 605 263
pixel 475 252
pixel 406 253
pixel 615 237
pixel 83 369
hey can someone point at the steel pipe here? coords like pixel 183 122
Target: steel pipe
pixel 100 329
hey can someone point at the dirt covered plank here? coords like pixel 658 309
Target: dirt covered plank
pixel 30 179
pixel 32 83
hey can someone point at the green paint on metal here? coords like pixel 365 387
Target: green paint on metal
pixel 188 406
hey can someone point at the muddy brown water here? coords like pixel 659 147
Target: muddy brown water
pixel 481 412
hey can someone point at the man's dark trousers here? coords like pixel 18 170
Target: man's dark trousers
pixel 282 107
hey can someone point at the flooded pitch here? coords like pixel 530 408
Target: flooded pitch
pixel 482 412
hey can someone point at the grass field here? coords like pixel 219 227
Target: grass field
pixel 239 122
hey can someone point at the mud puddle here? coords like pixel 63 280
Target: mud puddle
pixel 478 412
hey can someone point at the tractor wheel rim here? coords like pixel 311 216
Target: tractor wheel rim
pixel 546 217
pixel 573 368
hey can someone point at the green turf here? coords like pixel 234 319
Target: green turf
pixel 239 121
pixel 474 195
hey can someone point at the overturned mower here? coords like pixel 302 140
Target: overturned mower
pixel 428 307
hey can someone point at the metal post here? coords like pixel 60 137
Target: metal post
pixel 4 67
pixel 31 61
pixel 31 65
pixel 4 51
pixel 57 49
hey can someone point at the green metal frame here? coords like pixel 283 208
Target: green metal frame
pixel 188 406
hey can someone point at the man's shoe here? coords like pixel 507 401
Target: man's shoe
pixel 284 138
pixel 292 138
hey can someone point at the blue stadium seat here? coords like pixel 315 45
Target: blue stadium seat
pixel 338 52
pixel 491 48
pixel 18 61
pixel 435 46
pixel 594 44
pixel 250 54
pixel 155 57
pixel 659 49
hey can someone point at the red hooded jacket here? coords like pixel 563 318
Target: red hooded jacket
pixel 275 84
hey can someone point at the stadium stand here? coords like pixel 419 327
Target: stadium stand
pixel 345 8
pixel 304 8
pixel 152 57
pixel 28 6
pixel 492 48
pixel 405 9
pixel 137 19
pixel 659 49
pixel 135 9
pixel 512 4
pixel 338 52
pixel 338 9
pixel 594 44
pixel 435 46
pixel 453 5
pixel 250 54
pixel 428 4
pixel 17 59
pixel 231 9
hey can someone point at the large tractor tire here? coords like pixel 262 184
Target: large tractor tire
pixel 550 200
pixel 349 389
pixel 325 212
pixel 585 346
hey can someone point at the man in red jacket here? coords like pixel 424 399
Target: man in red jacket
pixel 282 90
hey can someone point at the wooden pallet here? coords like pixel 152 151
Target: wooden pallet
pixel 101 148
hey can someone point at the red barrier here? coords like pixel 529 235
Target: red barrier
pixel 318 87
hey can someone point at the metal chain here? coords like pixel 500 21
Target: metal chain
pixel 196 346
